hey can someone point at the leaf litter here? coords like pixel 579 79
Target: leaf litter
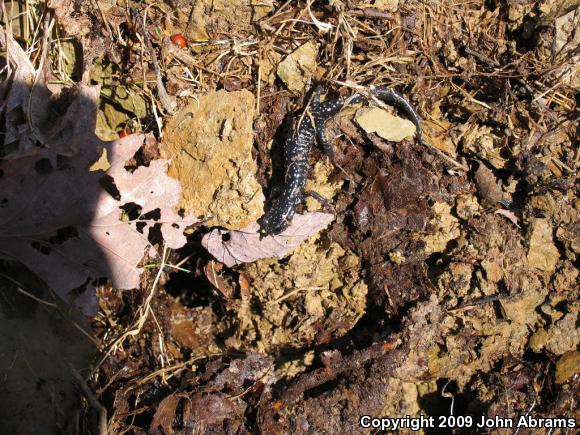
pixel 420 288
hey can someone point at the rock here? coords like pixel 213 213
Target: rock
pixel 542 253
pixel 445 228
pixel 208 18
pixel 268 64
pixel 521 309
pixel 210 144
pixel 386 125
pixel 386 5
pixel 567 366
pixel 299 66
pixel 561 337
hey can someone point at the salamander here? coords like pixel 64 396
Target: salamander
pixel 297 147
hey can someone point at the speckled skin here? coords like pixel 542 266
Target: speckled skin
pixel 297 148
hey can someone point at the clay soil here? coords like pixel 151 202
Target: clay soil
pixel 447 282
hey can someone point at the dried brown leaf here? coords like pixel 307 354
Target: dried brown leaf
pixel 510 215
pixel 487 185
pixel 213 273
pixel 163 419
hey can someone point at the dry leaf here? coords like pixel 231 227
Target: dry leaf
pixel 58 220
pixel 163 419
pixel 509 215
pixel 213 273
pixel 244 283
pixel 245 246
pixel 18 135
pixel 487 185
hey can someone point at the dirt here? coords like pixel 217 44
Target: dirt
pixel 214 162
pixel 447 279
pixel 315 297
pixel 41 347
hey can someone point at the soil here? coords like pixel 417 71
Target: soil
pixel 447 282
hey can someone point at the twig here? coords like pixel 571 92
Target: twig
pixel 92 399
pixel 370 13
pixel 164 98
pixel 143 313
pixel 338 364
pixel 292 293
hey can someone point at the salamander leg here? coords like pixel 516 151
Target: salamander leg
pixel 321 111
pixel 326 205
pixel 325 144
pixel 393 97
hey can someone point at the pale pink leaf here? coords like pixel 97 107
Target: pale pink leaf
pixel 245 246
pixel 58 220
pixel 15 104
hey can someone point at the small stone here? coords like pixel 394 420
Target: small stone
pixel 299 66
pixel 567 366
pixel 210 144
pixel 542 253
pixel 386 125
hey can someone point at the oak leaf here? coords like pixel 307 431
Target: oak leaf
pixel 72 224
pixel 246 245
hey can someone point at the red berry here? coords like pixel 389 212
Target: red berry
pixel 179 40
pixel 124 133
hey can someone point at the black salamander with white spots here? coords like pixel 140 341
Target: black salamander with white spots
pixel 297 149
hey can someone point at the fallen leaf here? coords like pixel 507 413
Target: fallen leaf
pixel 509 215
pixel 244 283
pixel 58 220
pixel 163 419
pixel 487 185
pixel 19 138
pixel 386 125
pixel 213 274
pixel 245 246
